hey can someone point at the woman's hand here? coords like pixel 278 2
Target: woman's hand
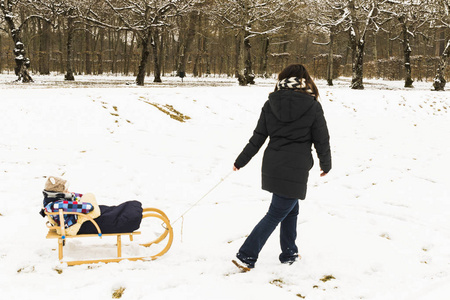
pixel 234 168
pixel 323 173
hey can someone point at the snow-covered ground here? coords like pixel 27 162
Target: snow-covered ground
pixel 378 226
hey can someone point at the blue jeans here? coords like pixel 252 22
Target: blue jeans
pixel 282 210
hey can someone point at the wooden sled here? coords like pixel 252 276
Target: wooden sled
pixel 147 213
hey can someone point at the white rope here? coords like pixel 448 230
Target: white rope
pixel 198 201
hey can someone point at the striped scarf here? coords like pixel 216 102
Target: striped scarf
pixel 70 202
pixel 294 83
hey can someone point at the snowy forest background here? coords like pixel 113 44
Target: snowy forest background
pixel 389 39
pixel 376 227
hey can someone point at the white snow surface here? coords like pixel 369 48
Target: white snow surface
pixel 378 223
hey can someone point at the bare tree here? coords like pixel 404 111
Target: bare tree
pixel 354 16
pixel 360 15
pixel 146 19
pixel 439 80
pixel 249 19
pixel 233 37
pixel 15 25
pixel 444 21
pixel 65 14
pixel 69 13
pixel 411 16
pixel 187 30
pixel 2 20
pixel 332 18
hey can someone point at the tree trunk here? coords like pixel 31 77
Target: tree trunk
pixel 156 62
pixel 162 57
pixel 330 59
pixel 374 47
pixel 129 55
pixel 440 47
pixel 375 54
pixel 357 67
pixel 44 48
pixel 390 43
pixel 144 58
pixel 407 62
pixel 125 54
pixel 406 52
pixel 265 57
pixel 22 62
pixel 198 55
pixel 185 45
pixel 305 48
pixel 238 60
pixel 243 63
pixel 69 47
pixel 439 81
pixel 61 47
pixel 88 52
pixel 196 59
pixel 357 46
pixel 248 66
pixel 1 47
pixel 206 54
pixel 115 52
pixel 347 53
pixel 100 51
pixel 109 49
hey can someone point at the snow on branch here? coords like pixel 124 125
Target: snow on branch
pixel 320 43
pixel 280 54
pixel 254 33
pixel 342 18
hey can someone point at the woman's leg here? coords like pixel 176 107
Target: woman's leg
pixel 278 210
pixel 288 235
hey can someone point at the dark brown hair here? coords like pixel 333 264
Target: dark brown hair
pixel 299 71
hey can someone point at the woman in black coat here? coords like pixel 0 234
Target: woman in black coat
pixel 293 120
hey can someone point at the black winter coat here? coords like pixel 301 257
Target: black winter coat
pixel 294 121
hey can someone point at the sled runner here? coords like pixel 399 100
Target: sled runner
pixel 147 213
